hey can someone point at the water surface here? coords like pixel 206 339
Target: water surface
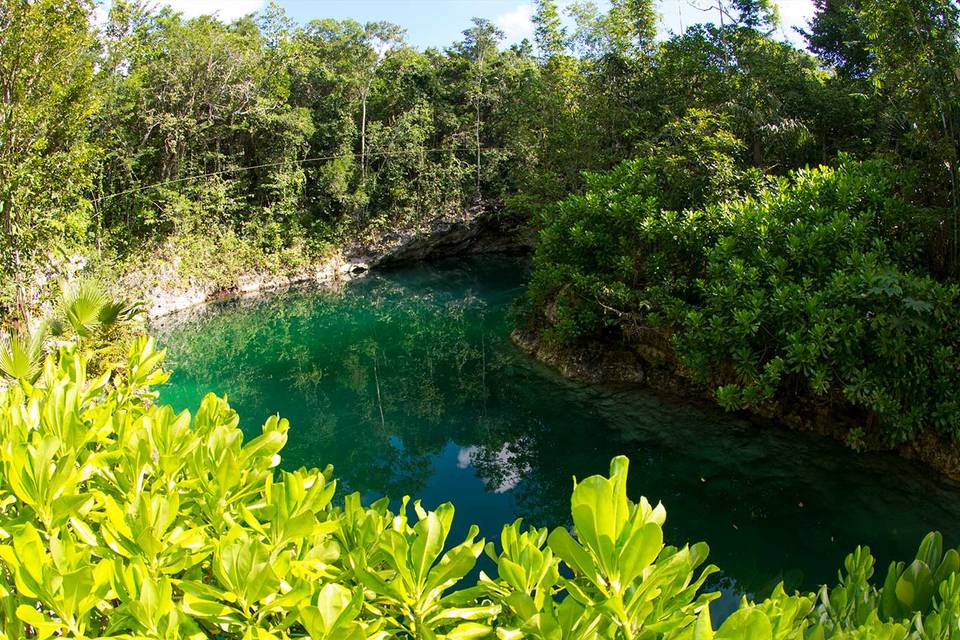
pixel 407 383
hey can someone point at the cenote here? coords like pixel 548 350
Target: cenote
pixel 407 382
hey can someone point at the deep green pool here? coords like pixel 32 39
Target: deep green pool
pixel 408 384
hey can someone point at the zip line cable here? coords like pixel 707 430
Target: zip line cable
pixel 267 165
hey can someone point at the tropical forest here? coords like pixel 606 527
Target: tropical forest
pixel 359 320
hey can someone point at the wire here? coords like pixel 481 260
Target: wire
pixel 274 164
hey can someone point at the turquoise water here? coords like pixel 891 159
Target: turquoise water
pixel 407 383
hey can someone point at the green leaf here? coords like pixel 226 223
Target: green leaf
pixel 44 627
pixel 469 631
pixel 703 627
pixel 915 588
pixel 21 354
pixel 746 624
pixel 210 610
pixel 568 550
pixel 639 551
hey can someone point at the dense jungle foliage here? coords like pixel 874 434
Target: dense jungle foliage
pixel 161 143
pixel 718 253
pixel 123 519
pixel 262 142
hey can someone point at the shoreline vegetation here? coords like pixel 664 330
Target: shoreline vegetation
pixel 776 227
pixel 472 232
pixel 163 525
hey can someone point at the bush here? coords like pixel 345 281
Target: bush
pixel 638 226
pixel 122 519
pixel 812 288
pixel 600 254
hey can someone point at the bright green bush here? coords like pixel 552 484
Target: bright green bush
pixel 121 519
pixel 811 288
pixel 638 226
pixel 600 253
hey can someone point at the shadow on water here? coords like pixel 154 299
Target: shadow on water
pixel 408 384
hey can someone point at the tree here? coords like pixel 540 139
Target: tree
pixel 46 66
pixel 835 34
pixel 549 32
pixel 627 30
pixel 479 46
pixel 756 14
pixel 916 45
pixel 338 63
pixel 632 27
pixel 378 37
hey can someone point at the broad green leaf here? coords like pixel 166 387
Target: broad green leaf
pixel 746 624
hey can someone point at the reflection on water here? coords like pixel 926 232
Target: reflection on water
pixel 408 384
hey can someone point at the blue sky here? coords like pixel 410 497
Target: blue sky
pixel 439 22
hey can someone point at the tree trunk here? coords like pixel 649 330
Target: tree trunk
pixel 363 128
pixel 363 138
pixel 478 148
pixel 21 308
pixel 479 98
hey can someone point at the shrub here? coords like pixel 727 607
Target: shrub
pixel 122 519
pixel 812 288
pixel 600 254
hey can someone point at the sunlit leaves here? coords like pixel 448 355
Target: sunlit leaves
pixel 21 354
pixel 811 289
pixel 121 519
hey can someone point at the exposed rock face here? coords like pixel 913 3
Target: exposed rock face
pixel 479 232
pixel 162 300
pixel 594 363
pixel 476 231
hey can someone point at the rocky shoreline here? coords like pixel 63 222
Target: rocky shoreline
pixel 624 364
pixel 473 232
pixel 164 300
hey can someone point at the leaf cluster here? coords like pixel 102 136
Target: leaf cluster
pixel 812 288
pixel 122 519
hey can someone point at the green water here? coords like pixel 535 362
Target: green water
pixel 408 384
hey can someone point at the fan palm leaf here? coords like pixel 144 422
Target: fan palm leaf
pixel 114 312
pixel 21 354
pixel 81 304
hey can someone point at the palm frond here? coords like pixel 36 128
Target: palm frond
pixel 111 312
pixel 115 312
pixel 81 304
pixel 21 354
